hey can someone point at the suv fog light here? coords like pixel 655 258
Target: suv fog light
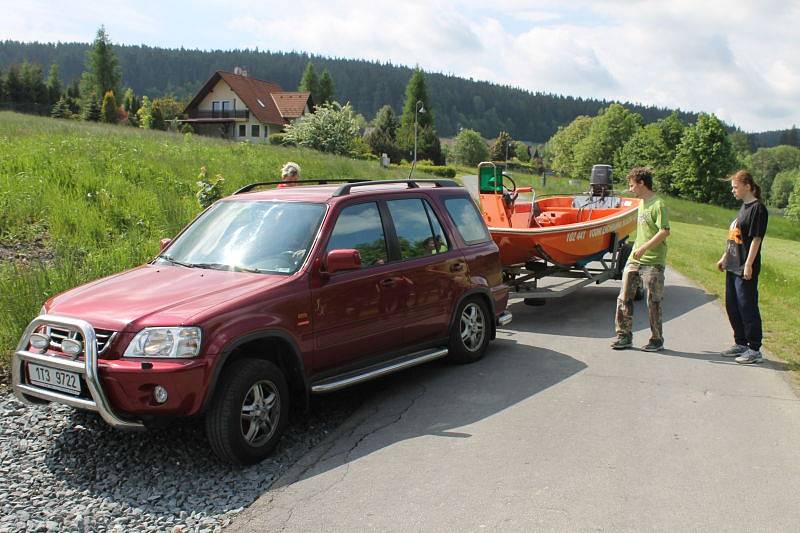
pixel 39 341
pixel 71 347
pixel 160 394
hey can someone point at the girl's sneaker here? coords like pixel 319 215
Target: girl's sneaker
pixel 750 357
pixel 734 351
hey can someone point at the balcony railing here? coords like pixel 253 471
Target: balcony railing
pixel 230 113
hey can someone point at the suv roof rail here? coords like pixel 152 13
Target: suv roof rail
pixel 248 188
pixel 411 184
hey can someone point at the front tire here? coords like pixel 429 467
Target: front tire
pixel 249 412
pixel 470 333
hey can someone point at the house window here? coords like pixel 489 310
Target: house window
pixel 242 130
pixel 255 130
pixel 221 109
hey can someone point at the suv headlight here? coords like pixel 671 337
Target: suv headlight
pixel 165 342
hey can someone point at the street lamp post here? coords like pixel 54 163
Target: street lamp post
pixel 418 107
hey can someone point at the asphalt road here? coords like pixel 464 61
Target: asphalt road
pixel 554 431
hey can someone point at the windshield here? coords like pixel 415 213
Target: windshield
pixel 247 236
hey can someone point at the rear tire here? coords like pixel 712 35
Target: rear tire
pixel 470 332
pixel 249 412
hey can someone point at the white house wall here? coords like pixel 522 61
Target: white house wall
pixel 222 91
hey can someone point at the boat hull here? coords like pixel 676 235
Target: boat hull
pixel 560 234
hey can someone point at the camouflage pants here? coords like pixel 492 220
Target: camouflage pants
pixel 633 277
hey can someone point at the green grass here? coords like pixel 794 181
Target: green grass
pixel 100 198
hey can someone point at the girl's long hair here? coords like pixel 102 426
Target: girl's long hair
pixel 746 178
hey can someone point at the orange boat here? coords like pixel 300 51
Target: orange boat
pixel 563 230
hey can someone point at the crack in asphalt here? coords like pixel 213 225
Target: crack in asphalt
pixel 347 455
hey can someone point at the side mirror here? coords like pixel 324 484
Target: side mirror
pixel 338 260
pixel 163 243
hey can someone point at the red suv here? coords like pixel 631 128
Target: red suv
pixel 269 296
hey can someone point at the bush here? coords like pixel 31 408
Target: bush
pixel 331 128
pixel 208 191
pixel 793 207
pixel 470 148
pixel 442 171
pixel 277 139
pixel 782 187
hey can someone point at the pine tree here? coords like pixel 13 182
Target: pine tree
pixel 310 83
pixel 158 117
pixel 2 87
pixel 382 138
pixel 108 111
pixel 416 108
pixel 54 88
pixel 145 113
pixel 15 91
pixel 102 73
pixel 325 89
pixel 502 148
pixel 34 88
pixel 91 109
pixel 61 109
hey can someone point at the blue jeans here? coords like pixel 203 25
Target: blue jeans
pixel 741 302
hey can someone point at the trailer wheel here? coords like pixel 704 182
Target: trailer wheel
pixel 622 259
pixel 535 302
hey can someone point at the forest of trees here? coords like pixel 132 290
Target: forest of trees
pixel 368 86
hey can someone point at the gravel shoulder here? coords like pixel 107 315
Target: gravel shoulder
pixel 64 470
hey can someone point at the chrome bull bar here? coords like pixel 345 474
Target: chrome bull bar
pixel 88 369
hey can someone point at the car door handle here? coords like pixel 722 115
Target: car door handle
pixel 457 267
pixel 388 283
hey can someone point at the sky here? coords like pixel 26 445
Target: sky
pixel 735 58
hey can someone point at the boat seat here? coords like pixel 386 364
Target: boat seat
pixel 555 218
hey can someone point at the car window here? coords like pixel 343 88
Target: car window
pixel 415 230
pixel 467 220
pixel 360 227
pixel 439 235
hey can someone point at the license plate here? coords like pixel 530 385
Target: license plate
pixel 53 378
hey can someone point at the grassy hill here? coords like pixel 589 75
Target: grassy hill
pixel 79 201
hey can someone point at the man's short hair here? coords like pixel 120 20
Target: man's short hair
pixel 642 175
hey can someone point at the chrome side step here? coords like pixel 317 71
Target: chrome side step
pixel 375 371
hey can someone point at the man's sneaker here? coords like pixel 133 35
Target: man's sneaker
pixel 749 357
pixel 654 346
pixel 734 351
pixel 623 342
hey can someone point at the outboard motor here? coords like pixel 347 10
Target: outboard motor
pixel 601 190
pixel 600 183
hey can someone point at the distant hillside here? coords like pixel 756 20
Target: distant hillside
pixel 457 102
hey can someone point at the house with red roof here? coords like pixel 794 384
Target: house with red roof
pixel 236 106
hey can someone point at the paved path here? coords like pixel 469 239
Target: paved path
pixel 555 431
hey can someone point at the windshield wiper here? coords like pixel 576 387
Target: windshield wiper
pixel 230 268
pixel 174 261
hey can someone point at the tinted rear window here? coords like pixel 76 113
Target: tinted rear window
pixel 467 220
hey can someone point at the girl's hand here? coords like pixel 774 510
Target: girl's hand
pixel 721 265
pixel 748 271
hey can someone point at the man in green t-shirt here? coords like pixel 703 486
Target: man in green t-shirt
pixel 645 264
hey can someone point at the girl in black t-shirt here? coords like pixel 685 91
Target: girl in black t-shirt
pixel 741 263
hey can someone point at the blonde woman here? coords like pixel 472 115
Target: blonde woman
pixel 290 173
